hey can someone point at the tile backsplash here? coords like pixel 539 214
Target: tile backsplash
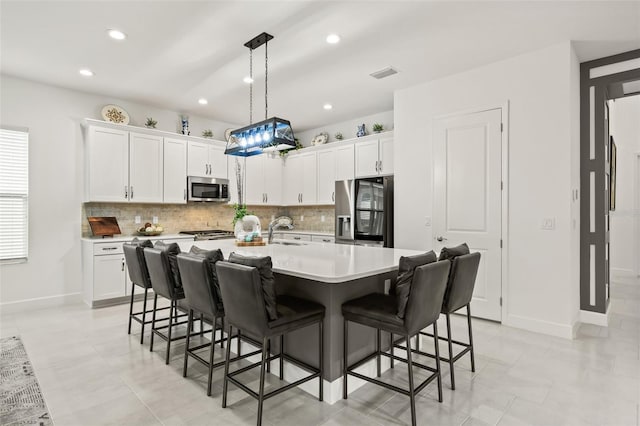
pixel 194 216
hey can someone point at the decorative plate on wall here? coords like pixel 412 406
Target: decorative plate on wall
pixel 320 139
pixel 115 114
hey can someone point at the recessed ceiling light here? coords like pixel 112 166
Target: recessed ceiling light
pixel 203 101
pixel 116 34
pixel 86 72
pixel 327 106
pixel 333 38
pixel 247 80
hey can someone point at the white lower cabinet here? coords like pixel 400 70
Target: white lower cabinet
pixel 105 277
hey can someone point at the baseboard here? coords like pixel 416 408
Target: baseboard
pixel 566 331
pixel 623 273
pixel 40 303
pixel 596 318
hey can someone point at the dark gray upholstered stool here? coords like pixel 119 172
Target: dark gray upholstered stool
pixel 462 280
pixel 163 281
pixel 201 296
pixel 244 304
pixel 380 312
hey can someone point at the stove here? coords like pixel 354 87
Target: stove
pixel 210 234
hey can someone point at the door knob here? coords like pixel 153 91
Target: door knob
pixel 441 239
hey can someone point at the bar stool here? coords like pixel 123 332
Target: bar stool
pixel 462 279
pixel 244 303
pixel 199 281
pixel 379 311
pixel 163 281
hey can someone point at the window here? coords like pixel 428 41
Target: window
pixel 14 195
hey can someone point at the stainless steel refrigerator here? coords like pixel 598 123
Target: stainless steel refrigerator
pixel 364 211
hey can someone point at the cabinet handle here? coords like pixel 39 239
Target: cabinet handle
pixel 210 172
pixel 206 169
pixel 185 194
pixel 131 197
pixel 333 196
pixel 126 192
pixel 296 238
pixel 110 248
pixel 266 197
pixel 380 167
pixel 326 240
pixel 122 265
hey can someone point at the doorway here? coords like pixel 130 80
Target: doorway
pixel 468 197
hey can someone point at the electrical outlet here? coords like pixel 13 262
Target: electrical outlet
pixel 137 220
pixel 301 218
pixel 273 217
pixel 548 224
pixel 154 220
pixel 322 218
pixel 427 221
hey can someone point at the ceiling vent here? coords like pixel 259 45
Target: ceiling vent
pixel 385 72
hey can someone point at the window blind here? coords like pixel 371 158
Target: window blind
pixel 14 194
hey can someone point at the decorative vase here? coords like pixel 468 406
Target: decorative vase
pixel 361 131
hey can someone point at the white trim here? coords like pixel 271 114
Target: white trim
pixel 614 68
pixel 565 331
pixel 636 219
pixel 596 318
pixel 40 303
pixel 622 272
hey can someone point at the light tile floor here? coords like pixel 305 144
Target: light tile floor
pixel 92 373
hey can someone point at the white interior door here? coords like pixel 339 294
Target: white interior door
pixel 467 204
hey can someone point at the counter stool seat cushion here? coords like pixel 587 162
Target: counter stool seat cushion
pixel 375 310
pixel 264 266
pixel 294 312
pixel 406 268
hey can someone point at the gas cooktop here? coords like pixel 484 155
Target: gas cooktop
pixel 210 234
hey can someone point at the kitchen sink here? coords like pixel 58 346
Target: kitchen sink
pixel 288 243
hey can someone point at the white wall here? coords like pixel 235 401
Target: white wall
pixel 348 128
pixel 624 126
pixel 53 116
pixel 542 280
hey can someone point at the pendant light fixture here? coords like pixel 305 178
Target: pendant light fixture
pixel 271 134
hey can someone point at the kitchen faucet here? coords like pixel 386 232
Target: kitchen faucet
pixel 275 225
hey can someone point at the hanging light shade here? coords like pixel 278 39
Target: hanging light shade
pixel 271 134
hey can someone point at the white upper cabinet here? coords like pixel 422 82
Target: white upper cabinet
pixel 300 180
pixel 326 176
pixel 345 163
pixel 374 157
pixel 124 166
pixel 175 171
pixel 107 165
pixel 146 162
pixel 207 159
pixel 263 180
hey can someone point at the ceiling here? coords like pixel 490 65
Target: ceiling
pixel 179 51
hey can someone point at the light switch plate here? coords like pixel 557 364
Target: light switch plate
pixel 137 220
pixel 322 218
pixel 548 224
pixel 301 218
pixel 155 219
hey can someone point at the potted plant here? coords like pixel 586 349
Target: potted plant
pixel 338 136
pixel 207 134
pixel 150 123
pixel 284 152
pixel 377 127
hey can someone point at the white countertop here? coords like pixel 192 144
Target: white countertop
pixel 325 262
pixel 125 238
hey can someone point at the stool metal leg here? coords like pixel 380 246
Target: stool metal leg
pixel 238 348
pixel 345 339
pixel 186 344
pixel 282 357
pixel 412 394
pixel 153 319
pixel 437 357
pixel 222 333
pixel 473 361
pixel 211 355
pixel 265 343
pixel 321 356
pixel 450 345
pixel 391 350
pixel 133 287
pixel 268 355
pixel 378 350
pixel 202 324
pixel 225 382
pixel 166 361
pixel 144 314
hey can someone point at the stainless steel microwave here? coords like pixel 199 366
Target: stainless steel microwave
pixel 207 189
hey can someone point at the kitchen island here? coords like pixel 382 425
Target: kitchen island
pixel 329 274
